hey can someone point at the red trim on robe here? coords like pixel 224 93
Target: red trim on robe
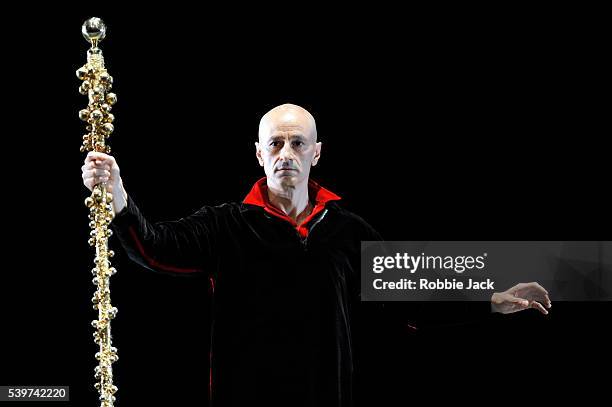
pixel 154 263
pixel 259 196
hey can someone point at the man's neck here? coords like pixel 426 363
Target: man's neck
pixel 292 200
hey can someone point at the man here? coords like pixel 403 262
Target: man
pixel 284 265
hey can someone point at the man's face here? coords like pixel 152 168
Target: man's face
pixel 287 147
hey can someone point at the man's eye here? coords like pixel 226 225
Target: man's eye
pixel 298 143
pixel 275 143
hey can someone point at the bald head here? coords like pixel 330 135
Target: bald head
pixel 288 117
pixel 287 146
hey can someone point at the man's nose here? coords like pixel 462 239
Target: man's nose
pixel 286 153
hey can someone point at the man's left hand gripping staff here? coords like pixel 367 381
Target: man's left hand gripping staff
pixel 521 297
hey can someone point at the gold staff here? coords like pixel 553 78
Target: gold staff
pixel 96 85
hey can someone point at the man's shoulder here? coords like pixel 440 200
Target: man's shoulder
pixel 352 219
pixel 339 210
pixel 222 209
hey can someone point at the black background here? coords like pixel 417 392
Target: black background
pixel 436 124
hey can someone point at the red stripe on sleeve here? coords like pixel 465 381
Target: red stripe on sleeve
pixel 154 263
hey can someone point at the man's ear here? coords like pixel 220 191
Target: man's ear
pixel 258 154
pixel 317 155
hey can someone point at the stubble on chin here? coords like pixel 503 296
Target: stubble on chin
pixel 288 182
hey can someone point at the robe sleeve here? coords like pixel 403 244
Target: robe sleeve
pixel 183 246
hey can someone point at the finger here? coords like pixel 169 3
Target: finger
pixel 96 178
pixel 522 302
pixel 96 181
pixel 539 307
pixel 544 299
pixel 99 158
pixel 97 173
pixel 536 296
pixel 95 155
pixel 97 164
pixel 538 287
pixel 89 183
pixel 101 172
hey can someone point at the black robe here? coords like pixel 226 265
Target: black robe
pixel 283 305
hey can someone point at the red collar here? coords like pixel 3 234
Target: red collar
pixel 259 196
